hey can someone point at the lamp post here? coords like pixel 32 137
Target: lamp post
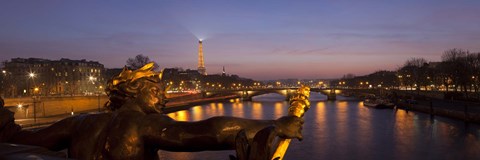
pixel 91 79
pixel 4 72
pixel 400 82
pixel 98 96
pixel 35 91
pixel 32 76
pixel 34 98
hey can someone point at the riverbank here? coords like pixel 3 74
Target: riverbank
pixel 188 102
pixel 466 111
pixel 176 103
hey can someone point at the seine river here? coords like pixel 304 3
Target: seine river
pixel 345 129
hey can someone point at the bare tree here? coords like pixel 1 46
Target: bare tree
pixel 414 72
pixel 139 61
pixel 476 73
pixel 455 67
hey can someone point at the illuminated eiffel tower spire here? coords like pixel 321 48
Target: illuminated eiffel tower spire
pixel 201 63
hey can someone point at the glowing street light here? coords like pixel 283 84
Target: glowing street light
pixel 31 75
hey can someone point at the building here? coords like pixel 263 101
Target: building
pixel 178 79
pixel 36 76
pixel 112 72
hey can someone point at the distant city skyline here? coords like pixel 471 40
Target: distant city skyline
pixel 262 40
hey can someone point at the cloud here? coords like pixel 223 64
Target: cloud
pixel 318 51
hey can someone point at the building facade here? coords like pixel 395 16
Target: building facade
pixel 35 76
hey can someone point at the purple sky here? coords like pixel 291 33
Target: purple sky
pixel 255 39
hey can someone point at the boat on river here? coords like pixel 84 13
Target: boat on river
pixel 375 102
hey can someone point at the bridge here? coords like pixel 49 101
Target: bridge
pixel 331 93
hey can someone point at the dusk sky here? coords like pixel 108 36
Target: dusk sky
pixel 254 39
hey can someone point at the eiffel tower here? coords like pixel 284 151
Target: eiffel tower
pixel 201 63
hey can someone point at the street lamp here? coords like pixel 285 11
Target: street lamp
pixel 91 79
pixel 32 76
pixel 35 100
pixel 98 97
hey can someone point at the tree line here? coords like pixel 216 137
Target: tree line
pixel 458 71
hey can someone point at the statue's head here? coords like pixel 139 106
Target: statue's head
pixel 142 86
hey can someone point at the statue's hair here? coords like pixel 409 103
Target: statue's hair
pixel 127 84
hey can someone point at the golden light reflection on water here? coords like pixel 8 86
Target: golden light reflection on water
pixel 197 112
pixel 401 117
pixel 278 109
pixel 211 110
pixel 342 104
pixel 257 110
pixel 364 123
pixel 179 115
pixel 320 108
pixel 402 132
pixel 341 122
pixel 237 110
pixel 221 111
pixel 320 133
pixel 320 119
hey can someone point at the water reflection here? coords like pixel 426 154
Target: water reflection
pixel 237 109
pixel 348 130
pixel 197 112
pixel 340 124
pixel 279 110
pixel 257 111
pixel 180 115
pixel 220 109
pixel 363 123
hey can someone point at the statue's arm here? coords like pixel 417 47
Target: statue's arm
pixel 53 137
pixel 217 133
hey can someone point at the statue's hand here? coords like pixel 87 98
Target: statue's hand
pixel 289 127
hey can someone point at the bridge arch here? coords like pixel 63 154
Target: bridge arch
pixel 248 94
